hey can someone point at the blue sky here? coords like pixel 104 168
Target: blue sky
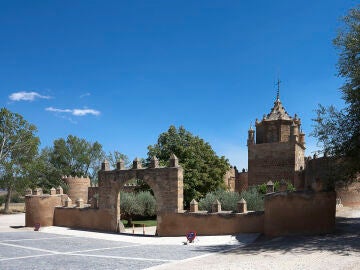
pixel 122 72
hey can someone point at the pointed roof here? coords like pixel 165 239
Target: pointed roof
pixel 277 112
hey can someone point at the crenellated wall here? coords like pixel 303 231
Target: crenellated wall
pixel 78 187
pixel 40 207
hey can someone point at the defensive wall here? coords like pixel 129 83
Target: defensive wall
pixel 285 212
pixel 318 169
pixel 77 187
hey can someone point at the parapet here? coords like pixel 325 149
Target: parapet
pixel 78 187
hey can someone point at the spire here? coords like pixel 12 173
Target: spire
pixel 278 90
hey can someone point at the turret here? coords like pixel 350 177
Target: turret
pixel 251 137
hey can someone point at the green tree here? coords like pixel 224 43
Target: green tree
pixel 137 204
pixel 18 147
pixel 76 156
pixel 339 130
pixel 43 173
pixel 203 169
pixel 114 157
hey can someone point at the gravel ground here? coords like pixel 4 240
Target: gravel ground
pixel 333 251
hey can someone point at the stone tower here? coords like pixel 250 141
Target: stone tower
pixel 277 151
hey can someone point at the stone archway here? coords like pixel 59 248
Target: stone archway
pixel 166 183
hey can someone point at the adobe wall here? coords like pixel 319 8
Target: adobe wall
pixel 299 213
pixel 229 179
pixel 349 196
pixel 86 218
pixel 91 192
pixel 78 187
pixel 241 182
pixel 177 224
pixel 166 183
pixel 271 161
pixel 40 208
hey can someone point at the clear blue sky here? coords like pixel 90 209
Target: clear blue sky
pixel 122 72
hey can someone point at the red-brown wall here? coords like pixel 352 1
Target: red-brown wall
pixel 87 218
pixel 40 209
pixel 177 224
pixel 299 213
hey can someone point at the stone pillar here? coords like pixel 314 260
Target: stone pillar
pixel 269 187
pixel 173 161
pixel 120 165
pixel 194 206
pixel 52 191
pixel 68 202
pixel 137 163
pixel 80 203
pixel 154 162
pixel 283 186
pixel 59 190
pixel 37 191
pixel 242 206
pixel 216 207
pixel 105 166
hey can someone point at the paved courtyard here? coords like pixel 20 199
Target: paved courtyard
pixel 62 248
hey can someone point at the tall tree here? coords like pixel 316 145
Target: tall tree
pixel 76 156
pixel 203 169
pixel 114 157
pixel 18 147
pixel 339 130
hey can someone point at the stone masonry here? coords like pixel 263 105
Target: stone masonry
pixel 166 183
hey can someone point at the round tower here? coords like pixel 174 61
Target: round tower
pixel 78 187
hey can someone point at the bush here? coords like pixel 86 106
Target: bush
pixel 147 203
pixel 253 198
pixel 228 200
pixel 16 198
pixel 137 204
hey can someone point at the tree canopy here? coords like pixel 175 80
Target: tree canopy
pixel 339 130
pixel 76 156
pixel 203 169
pixel 18 147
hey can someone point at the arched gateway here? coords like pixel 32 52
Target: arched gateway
pixel 166 182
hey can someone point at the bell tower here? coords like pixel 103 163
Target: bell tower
pixel 278 151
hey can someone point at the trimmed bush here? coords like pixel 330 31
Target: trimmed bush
pixel 228 200
pixel 253 198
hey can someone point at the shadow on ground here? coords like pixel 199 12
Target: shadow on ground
pixel 344 241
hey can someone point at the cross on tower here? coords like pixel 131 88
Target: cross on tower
pixel 278 89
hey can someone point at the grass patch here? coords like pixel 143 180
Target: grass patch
pixel 14 208
pixel 139 223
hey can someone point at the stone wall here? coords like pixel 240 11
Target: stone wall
pixel 299 213
pixel 349 196
pixel 78 187
pixel 241 181
pixel 272 161
pixel 40 208
pixel 229 179
pixel 178 224
pixel 86 218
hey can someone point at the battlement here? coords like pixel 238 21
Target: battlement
pixel 77 187
pixel 75 180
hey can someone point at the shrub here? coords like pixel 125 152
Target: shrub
pixel 147 203
pixel 16 198
pixel 228 200
pixel 137 204
pixel 254 199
